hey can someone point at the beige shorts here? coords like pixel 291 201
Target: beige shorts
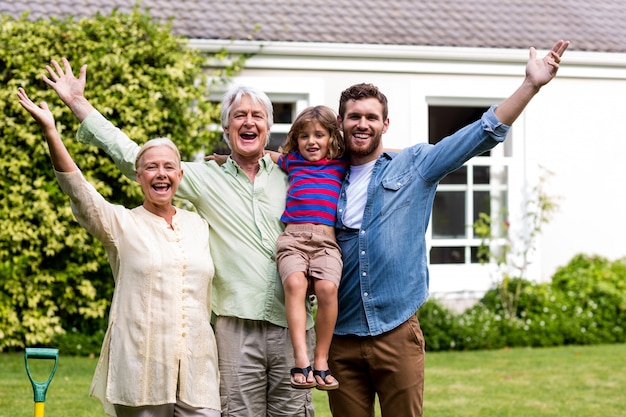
pixel 311 249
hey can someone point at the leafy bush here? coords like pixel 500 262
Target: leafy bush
pixel 596 290
pixel 437 325
pixel 75 343
pixel 477 328
pixel 585 303
pixel 55 277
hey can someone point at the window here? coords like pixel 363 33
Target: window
pixel 480 186
pixel 285 111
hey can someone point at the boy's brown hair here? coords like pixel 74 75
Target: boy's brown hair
pixel 327 118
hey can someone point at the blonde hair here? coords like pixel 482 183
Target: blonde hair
pixel 154 143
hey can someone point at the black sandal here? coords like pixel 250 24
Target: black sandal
pixel 326 386
pixel 305 372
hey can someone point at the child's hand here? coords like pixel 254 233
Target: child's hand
pixel 273 154
pixel 218 158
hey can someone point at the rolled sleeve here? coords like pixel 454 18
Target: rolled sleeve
pixel 494 127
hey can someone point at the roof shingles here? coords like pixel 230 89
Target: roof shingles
pixel 463 23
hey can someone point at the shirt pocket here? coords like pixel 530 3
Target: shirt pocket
pixel 396 192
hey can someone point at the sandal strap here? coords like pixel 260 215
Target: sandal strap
pixel 303 371
pixel 322 374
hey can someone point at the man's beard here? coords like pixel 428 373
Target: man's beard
pixel 366 150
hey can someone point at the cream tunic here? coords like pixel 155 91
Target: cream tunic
pixel 159 340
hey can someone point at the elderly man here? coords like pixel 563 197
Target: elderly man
pixel 242 200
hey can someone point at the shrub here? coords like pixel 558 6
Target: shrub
pixel 75 343
pixel 437 325
pixel 477 328
pixel 596 299
pixel 55 277
pixel 585 303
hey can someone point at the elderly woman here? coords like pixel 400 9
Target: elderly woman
pixel 159 356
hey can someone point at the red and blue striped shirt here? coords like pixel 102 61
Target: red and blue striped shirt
pixel 314 188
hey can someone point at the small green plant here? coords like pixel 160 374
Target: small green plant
pixel 512 254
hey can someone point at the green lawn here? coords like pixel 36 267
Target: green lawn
pixel 571 381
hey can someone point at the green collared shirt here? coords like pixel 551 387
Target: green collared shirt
pixel 243 217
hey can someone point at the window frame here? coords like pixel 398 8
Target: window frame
pixel 473 279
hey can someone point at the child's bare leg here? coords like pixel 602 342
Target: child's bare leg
pixel 327 306
pixel 295 293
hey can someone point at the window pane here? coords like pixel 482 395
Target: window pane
pixel 482 203
pixel 283 112
pixel 451 255
pixel 481 175
pixel 445 120
pixel 449 215
pixel 475 256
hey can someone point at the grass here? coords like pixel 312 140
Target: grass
pixel 581 381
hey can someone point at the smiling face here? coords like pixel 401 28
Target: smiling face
pixel 313 141
pixel 159 173
pixel 247 130
pixel 363 127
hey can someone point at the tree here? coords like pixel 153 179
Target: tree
pixel 54 277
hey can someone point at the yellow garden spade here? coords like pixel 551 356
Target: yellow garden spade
pixel 40 388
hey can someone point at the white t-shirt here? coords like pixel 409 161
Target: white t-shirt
pixel 356 194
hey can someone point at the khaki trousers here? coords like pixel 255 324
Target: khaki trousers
pixel 254 359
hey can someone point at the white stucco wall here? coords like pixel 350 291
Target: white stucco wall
pixel 575 128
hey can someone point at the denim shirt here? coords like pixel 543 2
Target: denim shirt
pixel 385 271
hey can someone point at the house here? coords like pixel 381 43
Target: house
pixel 441 63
